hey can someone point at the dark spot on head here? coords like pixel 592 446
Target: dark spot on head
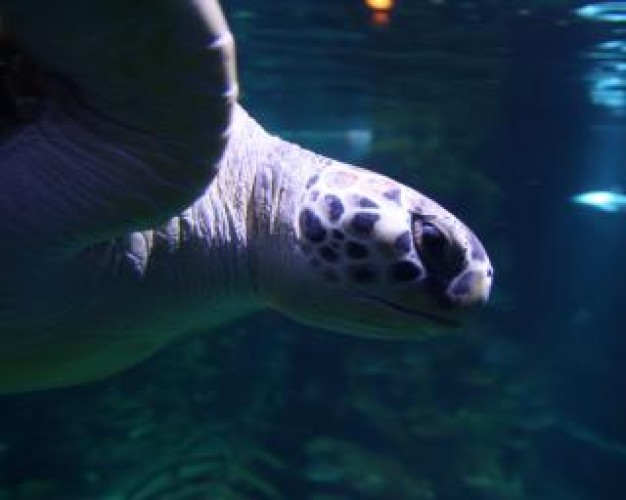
pixel 404 271
pixel 393 195
pixel 356 250
pixel 363 223
pixel 463 285
pixel 315 194
pixel 328 254
pixel 311 226
pixel 312 180
pixel 367 203
pixel 403 242
pixel 334 207
pixel 338 235
pixel 363 274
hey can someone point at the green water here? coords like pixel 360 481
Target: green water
pixel 489 108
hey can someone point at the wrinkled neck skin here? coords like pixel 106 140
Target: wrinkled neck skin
pixel 215 261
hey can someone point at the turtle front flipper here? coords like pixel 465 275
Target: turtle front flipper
pixel 113 115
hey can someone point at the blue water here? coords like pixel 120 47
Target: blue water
pixel 500 112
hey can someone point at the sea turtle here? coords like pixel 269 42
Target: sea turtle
pixel 139 201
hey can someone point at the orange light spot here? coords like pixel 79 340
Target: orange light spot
pixel 380 5
pixel 380 17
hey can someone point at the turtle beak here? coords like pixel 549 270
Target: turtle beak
pixel 471 287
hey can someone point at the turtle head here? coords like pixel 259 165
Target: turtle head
pixel 377 258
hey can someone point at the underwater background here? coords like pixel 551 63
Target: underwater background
pixel 503 111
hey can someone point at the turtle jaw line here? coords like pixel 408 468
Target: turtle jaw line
pixel 435 318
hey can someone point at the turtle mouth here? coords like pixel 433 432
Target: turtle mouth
pixel 416 313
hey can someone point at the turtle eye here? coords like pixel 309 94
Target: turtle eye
pixel 442 258
pixel 433 241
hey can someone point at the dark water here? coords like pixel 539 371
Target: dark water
pixel 488 107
